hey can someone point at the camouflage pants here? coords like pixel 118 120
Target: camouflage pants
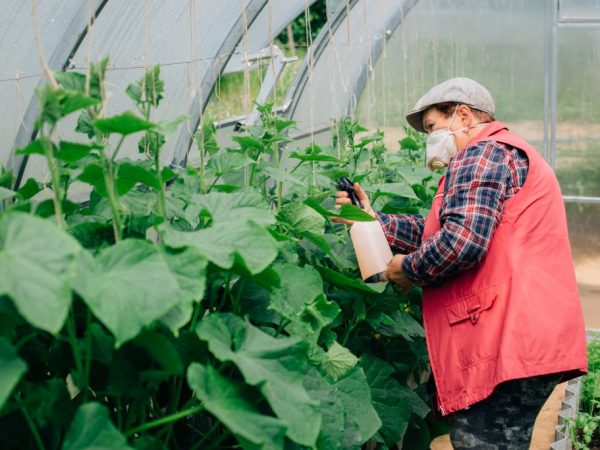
pixel 503 421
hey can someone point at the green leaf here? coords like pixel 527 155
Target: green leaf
pixel 331 436
pixel 362 421
pixel 93 174
pixel 92 430
pixel 123 124
pixel 36 263
pixel 131 173
pixel 242 205
pixel 352 212
pixel 235 405
pixel 223 244
pixel 399 323
pixel 73 81
pixel 225 162
pixel 127 286
pixel 189 268
pixel 275 366
pixel 408 143
pixel 169 127
pixel 352 284
pixel 394 189
pixel 85 125
pixel 283 176
pixel 13 369
pixel 338 361
pixel 36 147
pixel 6 193
pixel 29 189
pixel 74 151
pixel 390 398
pixel 414 175
pixel 299 287
pixel 161 350
pixel 149 89
pixel 59 103
pixel 249 143
pixel 316 158
pixel 302 218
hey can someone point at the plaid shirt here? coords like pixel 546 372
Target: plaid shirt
pixel 478 181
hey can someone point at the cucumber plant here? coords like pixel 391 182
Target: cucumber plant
pixel 207 307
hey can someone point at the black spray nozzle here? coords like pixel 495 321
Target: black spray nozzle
pixel 344 184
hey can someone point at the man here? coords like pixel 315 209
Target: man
pixel 501 310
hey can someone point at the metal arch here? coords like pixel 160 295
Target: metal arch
pixel 258 36
pixel 321 43
pixel 318 47
pixel 66 48
pixel 186 135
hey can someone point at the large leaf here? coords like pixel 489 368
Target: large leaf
pixel 302 218
pixel 74 151
pixel 224 243
pixel 315 157
pixel 58 103
pixel 361 419
pixel 396 324
pixel 128 286
pixel 36 263
pixel 12 370
pixel 226 162
pixel 299 286
pixel 235 405
pixel 349 418
pixel 276 366
pixel 131 173
pixel 390 398
pixel 331 436
pixel 92 430
pixel 189 268
pixel 124 124
pixel 236 207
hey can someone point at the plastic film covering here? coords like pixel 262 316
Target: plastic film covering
pixel 499 44
pixel 60 26
pixel 335 70
pixel 191 40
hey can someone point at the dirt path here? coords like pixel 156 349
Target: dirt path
pixel 543 430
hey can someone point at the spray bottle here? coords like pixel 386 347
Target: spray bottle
pixel 370 244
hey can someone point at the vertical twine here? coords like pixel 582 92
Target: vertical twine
pixel 309 55
pixel 246 62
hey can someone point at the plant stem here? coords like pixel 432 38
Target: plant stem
pixel 112 197
pixel 53 167
pixel 164 420
pixel 73 341
pixel 207 435
pixel 88 354
pixel 34 431
pixel 162 204
pixel 220 439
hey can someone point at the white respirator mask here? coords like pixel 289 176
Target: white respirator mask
pixel 441 145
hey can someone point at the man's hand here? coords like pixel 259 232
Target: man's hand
pixel 341 198
pixel 395 274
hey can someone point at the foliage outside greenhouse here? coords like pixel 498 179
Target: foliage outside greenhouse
pixel 209 307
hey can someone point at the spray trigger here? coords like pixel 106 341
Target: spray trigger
pixel 344 184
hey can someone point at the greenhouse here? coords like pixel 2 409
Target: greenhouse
pixel 300 224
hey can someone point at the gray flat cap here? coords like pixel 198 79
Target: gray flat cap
pixel 461 90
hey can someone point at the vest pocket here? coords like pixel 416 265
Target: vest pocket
pixel 475 325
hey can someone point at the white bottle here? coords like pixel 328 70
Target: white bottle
pixel 372 250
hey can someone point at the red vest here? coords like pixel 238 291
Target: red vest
pixel 518 313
